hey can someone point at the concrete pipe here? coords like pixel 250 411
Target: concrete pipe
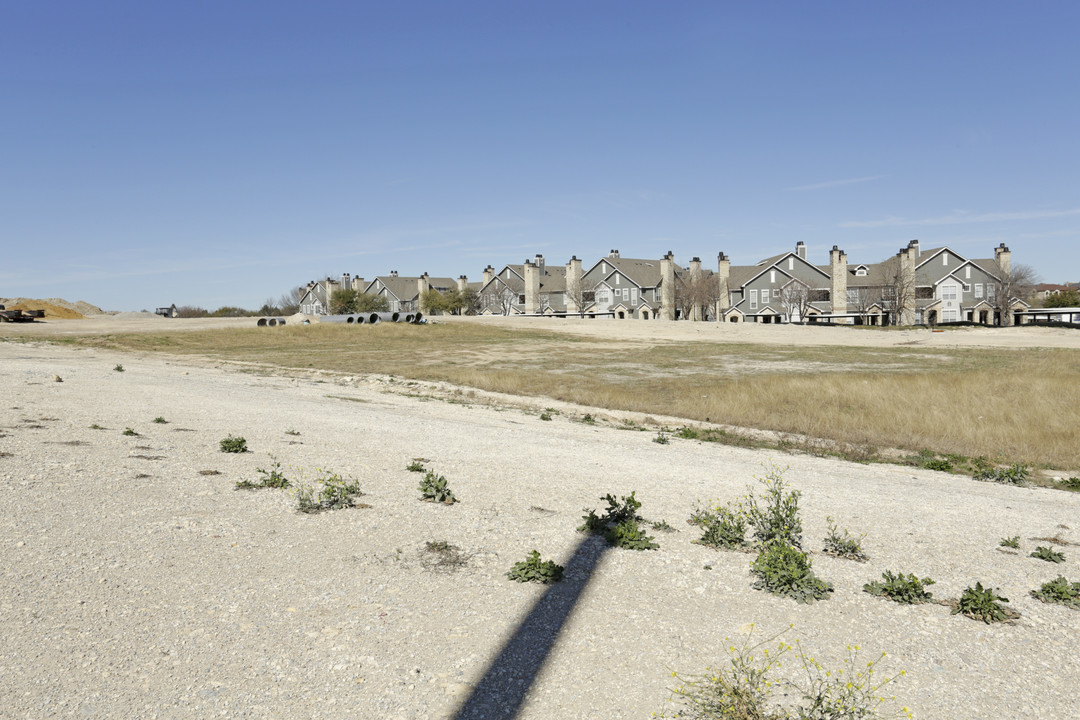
pixel 359 319
pixel 388 317
pixel 349 319
pixel 272 322
pixel 262 322
pixel 334 319
pixel 408 318
pixel 417 317
pixel 373 319
pixel 281 321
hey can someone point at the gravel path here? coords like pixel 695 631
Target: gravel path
pixel 135 587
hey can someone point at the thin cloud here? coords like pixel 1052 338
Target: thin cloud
pixel 962 217
pixel 837 183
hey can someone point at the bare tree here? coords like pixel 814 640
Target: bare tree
pixel 1014 283
pixel 580 294
pixel 696 295
pixel 289 303
pixel 864 298
pixel 499 298
pixel 795 298
pixel 898 291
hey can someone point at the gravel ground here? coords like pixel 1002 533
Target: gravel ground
pixel 134 586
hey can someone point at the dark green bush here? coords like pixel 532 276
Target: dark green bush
pixel 904 589
pixel 786 571
pixel 532 569
pixel 1059 591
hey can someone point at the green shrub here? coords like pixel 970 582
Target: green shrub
pixel 415 466
pixel 336 493
pixel 1048 554
pixel 1071 484
pixel 663 526
pixel 939 464
pixel 532 569
pixel 904 589
pixel 272 478
pixel 130 433
pixel 588 419
pixel 1010 542
pixel 118 368
pixel 233 445
pixel 982 604
pixel 775 518
pixel 687 433
pixel 786 571
pixel 1059 591
pixel 723 527
pixel 433 488
pixel 619 525
pixel 95 426
pixel 661 438
pixel 545 416
pixel 843 546
pixel 160 420
pixel 1013 475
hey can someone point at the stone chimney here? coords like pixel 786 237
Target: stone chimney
pixel 695 279
pixel 573 285
pixel 532 288
pixel 723 274
pixel 914 249
pixel 613 254
pixel 1003 258
pixel 393 273
pixel 907 279
pixel 800 249
pixel 489 274
pixel 667 286
pixel 462 283
pixel 838 271
pixel 421 286
pixel 358 283
pixel 539 263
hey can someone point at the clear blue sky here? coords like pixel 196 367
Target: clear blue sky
pixel 213 153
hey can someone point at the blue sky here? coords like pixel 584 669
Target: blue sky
pixel 221 153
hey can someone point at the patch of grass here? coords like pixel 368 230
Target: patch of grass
pixel 272 478
pixel 433 488
pixel 545 416
pixel 904 589
pixel 1010 542
pixel 95 426
pixel 1012 475
pixel 118 368
pixel 232 444
pixel 620 524
pixel 844 545
pixel 533 569
pixel 786 571
pixel 160 420
pixel 415 466
pixel 661 438
pixel 441 556
pixel 723 526
pixel 588 419
pixel 982 604
pixel 334 493
pixel 1048 554
pixel 1059 591
pixel 130 433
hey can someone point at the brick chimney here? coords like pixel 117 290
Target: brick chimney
pixel 573 285
pixel 723 274
pixel 1003 258
pixel 667 286
pixel 838 271
pixel 532 288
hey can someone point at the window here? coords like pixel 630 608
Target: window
pixel 776 293
pixel 853 296
pixel 860 271
pixel 588 296
pixel 791 263
pixel 967 287
pixel 978 290
pixel 948 292
pixel 967 273
pixel 618 279
pixel 949 316
pixel 945 259
pixel 753 299
pixel 772 276
pixel 626 293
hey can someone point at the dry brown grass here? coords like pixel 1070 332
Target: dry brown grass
pixel 1006 405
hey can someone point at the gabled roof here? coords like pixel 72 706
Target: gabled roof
pixel 643 273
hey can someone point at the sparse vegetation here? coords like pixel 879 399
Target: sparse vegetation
pixel 1010 542
pixel 904 589
pixel 272 478
pixel 620 524
pixel 663 526
pixel 95 426
pixel 130 432
pixel 1059 591
pixel 588 419
pixel 1012 475
pixel 545 416
pixel 1072 484
pixel 661 438
pixel 415 466
pixel 1048 554
pixel 118 368
pixel 441 556
pixel 843 545
pixel 433 488
pixel 290 431
pixel 533 569
pixel 232 444
pixel 334 493
pixel 786 571
pixel 160 420
pixel 723 526
pixel 982 604
pixel 775 517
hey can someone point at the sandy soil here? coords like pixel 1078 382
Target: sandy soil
pixel 638 330
pixel 135 586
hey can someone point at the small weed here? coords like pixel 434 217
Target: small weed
pixel 1049 555
pixel 233 445
pixel 95 426
pixel 843 546
pixel 415 466
pixel 1059 591
pixel 1010 542
pixel 940 464
pixel 130 433
pixel 272 478
pixel 588 419
pixel 661 438
pixel 545 416
pixel 209 472
pixel 1013 475
pixel 290 431
pixel 687 433
pixel 904 589
pixel 983 604
pixel 723 527
pixel 1072 483
pixel 118 368
pixel 786 571
pixel 619 525
pixel 532 569
pixel 337 493
pixel 433 489
pixel 663 526
pixel 160 420
pixel 441 556
pixel 775 518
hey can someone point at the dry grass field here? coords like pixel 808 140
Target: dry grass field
pixel 1005 404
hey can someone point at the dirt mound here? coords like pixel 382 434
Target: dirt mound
pixel 52 310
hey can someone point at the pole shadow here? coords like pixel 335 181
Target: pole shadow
pixel 502 690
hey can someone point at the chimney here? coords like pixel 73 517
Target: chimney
pixel 462 283
pixel 723 273
pixel 532 288
pixel 539 263
pixel 393 273
pixel 695 278
pixel 573 286
pixel 488 274
pixel 422 285
pixel 1003 258
pixel 358 283
pixel 613 254
pixel 913 246
pixel 667 287
pixel 800 249
pixel 838 271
